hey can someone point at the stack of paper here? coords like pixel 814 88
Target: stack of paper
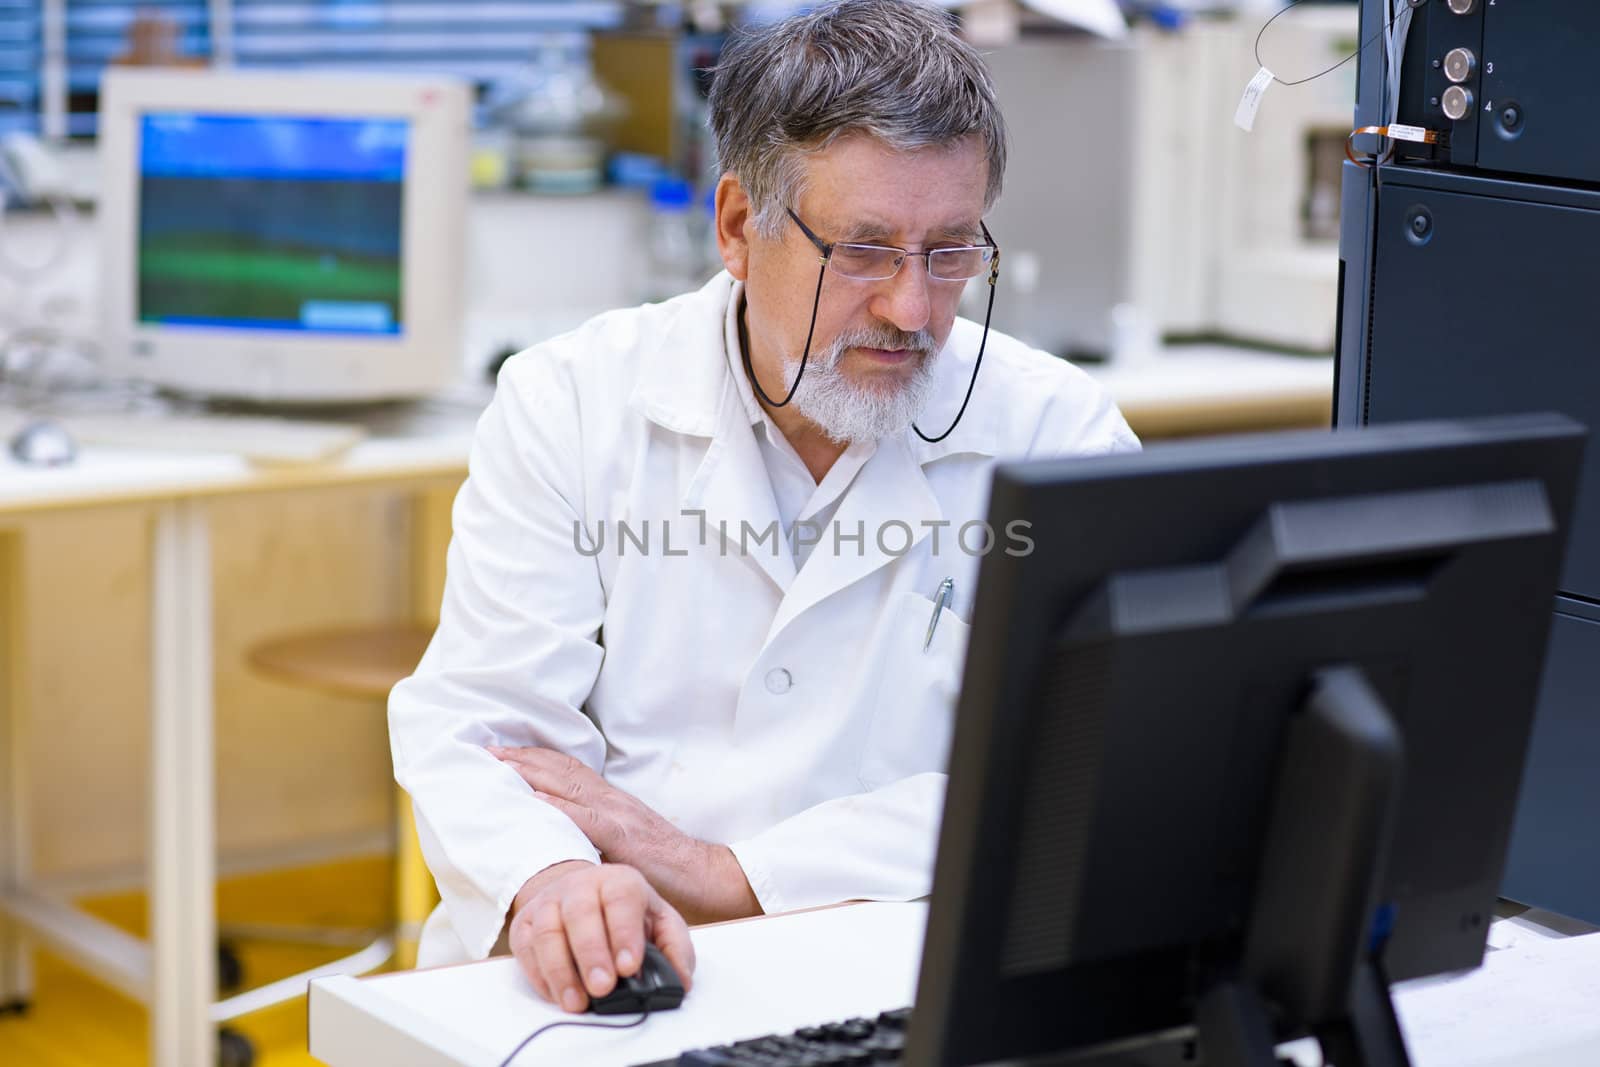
pixel 1535 1002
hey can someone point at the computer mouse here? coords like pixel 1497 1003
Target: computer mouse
pixel 656 987
pixel 44 443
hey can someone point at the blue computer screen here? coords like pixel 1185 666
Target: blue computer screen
pixel 271 222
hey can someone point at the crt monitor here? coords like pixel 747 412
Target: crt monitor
pixel 283 237
pixel 1240 741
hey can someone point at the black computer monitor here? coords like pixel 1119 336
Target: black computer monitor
pixel 1240 741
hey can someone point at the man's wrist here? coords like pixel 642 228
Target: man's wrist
pixel 734 898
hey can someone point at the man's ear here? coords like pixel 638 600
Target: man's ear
pixel 733 219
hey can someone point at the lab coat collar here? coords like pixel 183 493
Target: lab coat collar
pixel 683 380
pixel 687 384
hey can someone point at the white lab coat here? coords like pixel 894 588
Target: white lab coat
pixel 793 716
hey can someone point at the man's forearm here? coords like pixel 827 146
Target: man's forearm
pixel 712 889
pixel 705 885
pixel 702 881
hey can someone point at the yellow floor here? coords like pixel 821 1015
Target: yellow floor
pixel 77 1022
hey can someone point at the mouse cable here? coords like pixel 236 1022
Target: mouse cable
pixel 572 1022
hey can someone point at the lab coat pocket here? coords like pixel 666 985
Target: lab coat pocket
pixel 915 704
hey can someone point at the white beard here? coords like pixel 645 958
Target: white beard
pixel 848 411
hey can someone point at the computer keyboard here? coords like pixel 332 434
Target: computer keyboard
pixel 260 438
pixel 848 1043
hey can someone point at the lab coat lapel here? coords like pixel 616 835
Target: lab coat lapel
pixel 734 490
pixel 685 387
pixel 890 504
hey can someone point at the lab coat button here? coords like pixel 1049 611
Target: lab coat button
pixel 779 681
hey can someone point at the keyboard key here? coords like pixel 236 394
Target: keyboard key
pixel 896 1019
pixel 845 1043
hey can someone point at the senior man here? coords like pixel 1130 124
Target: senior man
pixel 707 595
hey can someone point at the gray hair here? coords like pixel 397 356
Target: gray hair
pixel 892 69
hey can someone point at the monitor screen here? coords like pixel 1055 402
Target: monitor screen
pixel 271 222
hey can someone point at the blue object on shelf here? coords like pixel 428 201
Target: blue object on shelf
pixel 671 194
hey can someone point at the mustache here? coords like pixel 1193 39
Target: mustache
pixel 887 337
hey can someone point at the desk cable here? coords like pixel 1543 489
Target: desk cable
pixel 572 1022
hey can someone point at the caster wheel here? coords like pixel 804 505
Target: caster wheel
pixel 234 1049
pixel 230 970
pixel 18 1007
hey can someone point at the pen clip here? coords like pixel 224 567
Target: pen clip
pixel 941 600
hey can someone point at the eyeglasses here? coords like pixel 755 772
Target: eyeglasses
pixel 963 263
pixel 876 263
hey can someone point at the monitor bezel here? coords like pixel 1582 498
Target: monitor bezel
pixel 266 365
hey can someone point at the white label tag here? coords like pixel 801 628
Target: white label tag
pixel 1408 133
pixel 1250 102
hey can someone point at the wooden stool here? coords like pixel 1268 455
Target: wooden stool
pixel 365 662
pixel 355 661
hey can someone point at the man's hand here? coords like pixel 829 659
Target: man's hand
pixel 577 918
pixel 702 881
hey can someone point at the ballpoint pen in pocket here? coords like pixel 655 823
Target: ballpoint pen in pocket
pixel 941 600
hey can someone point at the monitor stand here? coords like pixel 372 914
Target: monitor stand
pixel 1311 952
pixel 1310 960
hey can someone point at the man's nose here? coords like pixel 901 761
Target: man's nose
pixel 904 299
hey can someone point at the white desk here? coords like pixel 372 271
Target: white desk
pixel 174 973
pixel 753 977
pixel 1531 1005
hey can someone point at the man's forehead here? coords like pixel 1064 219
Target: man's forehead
pixel 860 188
